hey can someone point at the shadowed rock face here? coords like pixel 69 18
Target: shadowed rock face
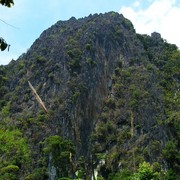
pixel 100 82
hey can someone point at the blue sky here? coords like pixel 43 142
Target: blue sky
pixel 31 17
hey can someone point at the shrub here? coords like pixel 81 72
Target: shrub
pixel 60 151
pixel 145 172
pixel 172 154
pixel 9 169
pixel 37 174
pixel 88 46
pixel 14 149
pixel 9 172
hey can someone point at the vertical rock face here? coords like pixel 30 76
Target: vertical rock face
pixel 103 87
pixel 76 60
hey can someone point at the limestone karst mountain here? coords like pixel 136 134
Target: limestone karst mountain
pixel 112 98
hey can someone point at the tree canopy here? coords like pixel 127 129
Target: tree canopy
pixel 7 3
pixel 3 44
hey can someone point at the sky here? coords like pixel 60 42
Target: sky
pixel 23 23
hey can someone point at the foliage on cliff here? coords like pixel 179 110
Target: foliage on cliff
pixel 112 98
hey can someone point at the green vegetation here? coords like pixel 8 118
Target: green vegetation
pixel 14 154
pixel 145 172
pixel 9 172
pixel 74 64
pixel 113 105
pixel 134 90
pixel 172 155
pixel 61 151
pixel 7 3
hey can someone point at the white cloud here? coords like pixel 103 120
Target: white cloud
pixel 161 16
pixel 136 3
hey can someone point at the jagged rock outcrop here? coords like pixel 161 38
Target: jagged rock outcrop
pixel 103 87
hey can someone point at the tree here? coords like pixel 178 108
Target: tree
pixel 14 154
pixel 145 172
pixel 60 152
pixel 3 44
pixel 172 154
pixel 7 3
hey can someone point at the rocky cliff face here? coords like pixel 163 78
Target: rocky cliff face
pixel 107 89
